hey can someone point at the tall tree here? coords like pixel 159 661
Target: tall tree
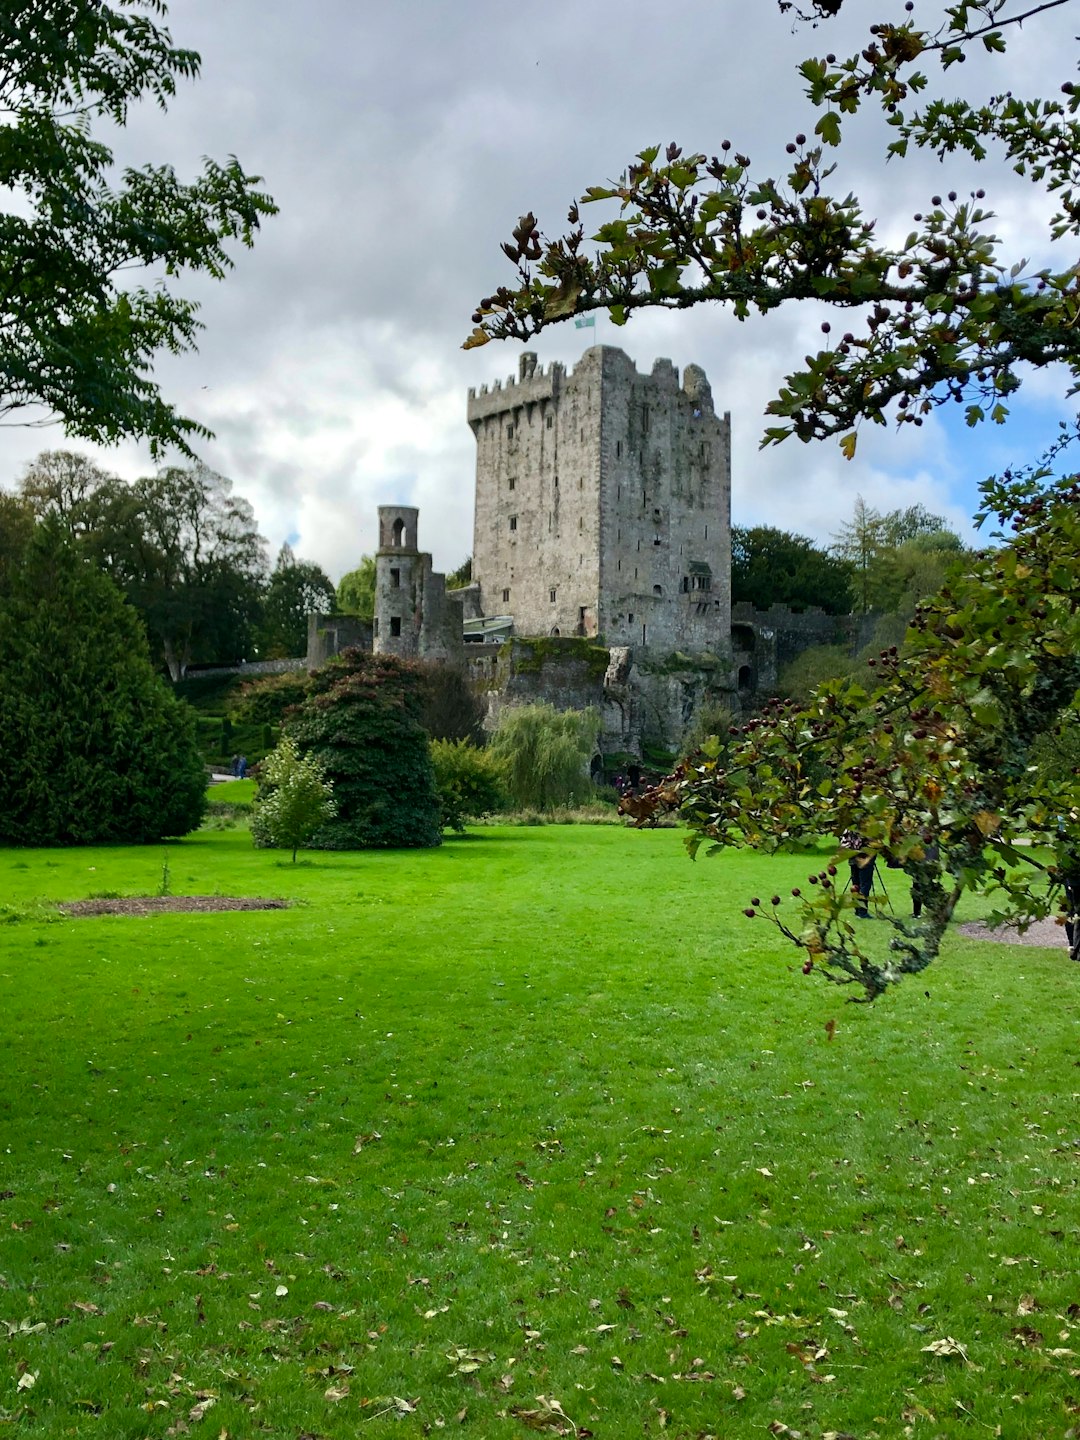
pixel 96 748
pixel 932 761
pixel 64 483
pixel 297 589
pixel 78 333
pixel 895 558
pixel 188 555
pixel 773 567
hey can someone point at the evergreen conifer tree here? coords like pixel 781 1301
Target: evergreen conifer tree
pixel 95 747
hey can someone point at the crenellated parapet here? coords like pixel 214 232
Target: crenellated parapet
pixel 530 386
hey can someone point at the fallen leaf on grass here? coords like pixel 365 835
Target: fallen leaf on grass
pixel 27 1381
pixel 467 1362
pixel 197 1412
pixel 334 1393
pixel 548 1415
pixel 362 1140
pixel 947 1346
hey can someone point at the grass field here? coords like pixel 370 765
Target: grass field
pixel 532 1126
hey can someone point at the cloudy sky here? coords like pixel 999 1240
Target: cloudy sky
pixel 403 141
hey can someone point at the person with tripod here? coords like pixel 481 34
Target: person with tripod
pixel 863 867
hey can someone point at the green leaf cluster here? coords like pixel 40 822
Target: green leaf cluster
pixel 89 262
pixel 294 798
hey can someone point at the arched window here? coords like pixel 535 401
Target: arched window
pixel 746 677
pixel 658 590
pixel 399 532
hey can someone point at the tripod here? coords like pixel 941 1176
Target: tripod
pixel 876 884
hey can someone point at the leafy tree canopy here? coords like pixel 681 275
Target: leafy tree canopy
pixel 183 548
pixel 297 589
pixel 932 759
pixel 941 316
pixel 544 754
pixel 896 558
pixel 773 567
pixel 461 576
pixel 87 258
pixel 362 723
pixel 356 590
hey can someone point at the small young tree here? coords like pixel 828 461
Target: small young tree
pixel 469 782
pixel 544 754
pixel 294 798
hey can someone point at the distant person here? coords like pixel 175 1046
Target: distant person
pixel 921 890
pixel 863 866
pixel 241 767
pixel 234 766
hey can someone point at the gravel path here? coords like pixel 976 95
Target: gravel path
pixel 1044 932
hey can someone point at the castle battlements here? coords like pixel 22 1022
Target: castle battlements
pixel 530 386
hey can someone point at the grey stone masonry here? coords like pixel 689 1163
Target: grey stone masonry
pixel 414 616
pixel 603 502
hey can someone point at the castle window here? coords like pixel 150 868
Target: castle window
pixel 395 624
pixel 556 482
pixel 618 449
pixel 395 579
pixel 506 596
pixel 375 627
pixel 644 419
pixel 513 522
pixel 509 432
pixel 706 532
pixel 685 586
pixel 746 677
pixel 643 634
pixel 630 618
pixel 398 534
pixel 581 482
pixel 657 590
pixel 510 484
pixel 551 596
pixel 656 511
pixel 657 541
pixel 548 422
pixel 581 522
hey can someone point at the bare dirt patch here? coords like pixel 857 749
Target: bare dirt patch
pixel 169 905
pixel 1047 933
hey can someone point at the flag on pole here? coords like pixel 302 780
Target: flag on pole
pixel 585 322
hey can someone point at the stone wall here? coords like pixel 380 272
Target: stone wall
pixel 603 503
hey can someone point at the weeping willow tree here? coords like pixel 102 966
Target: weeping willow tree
pixel 544 754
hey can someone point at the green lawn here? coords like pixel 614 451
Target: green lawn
pixel 536 1114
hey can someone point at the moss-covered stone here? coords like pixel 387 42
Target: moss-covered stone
pixel 532 654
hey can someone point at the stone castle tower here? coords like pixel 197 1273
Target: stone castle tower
pixel 414 616
pixel 603 504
